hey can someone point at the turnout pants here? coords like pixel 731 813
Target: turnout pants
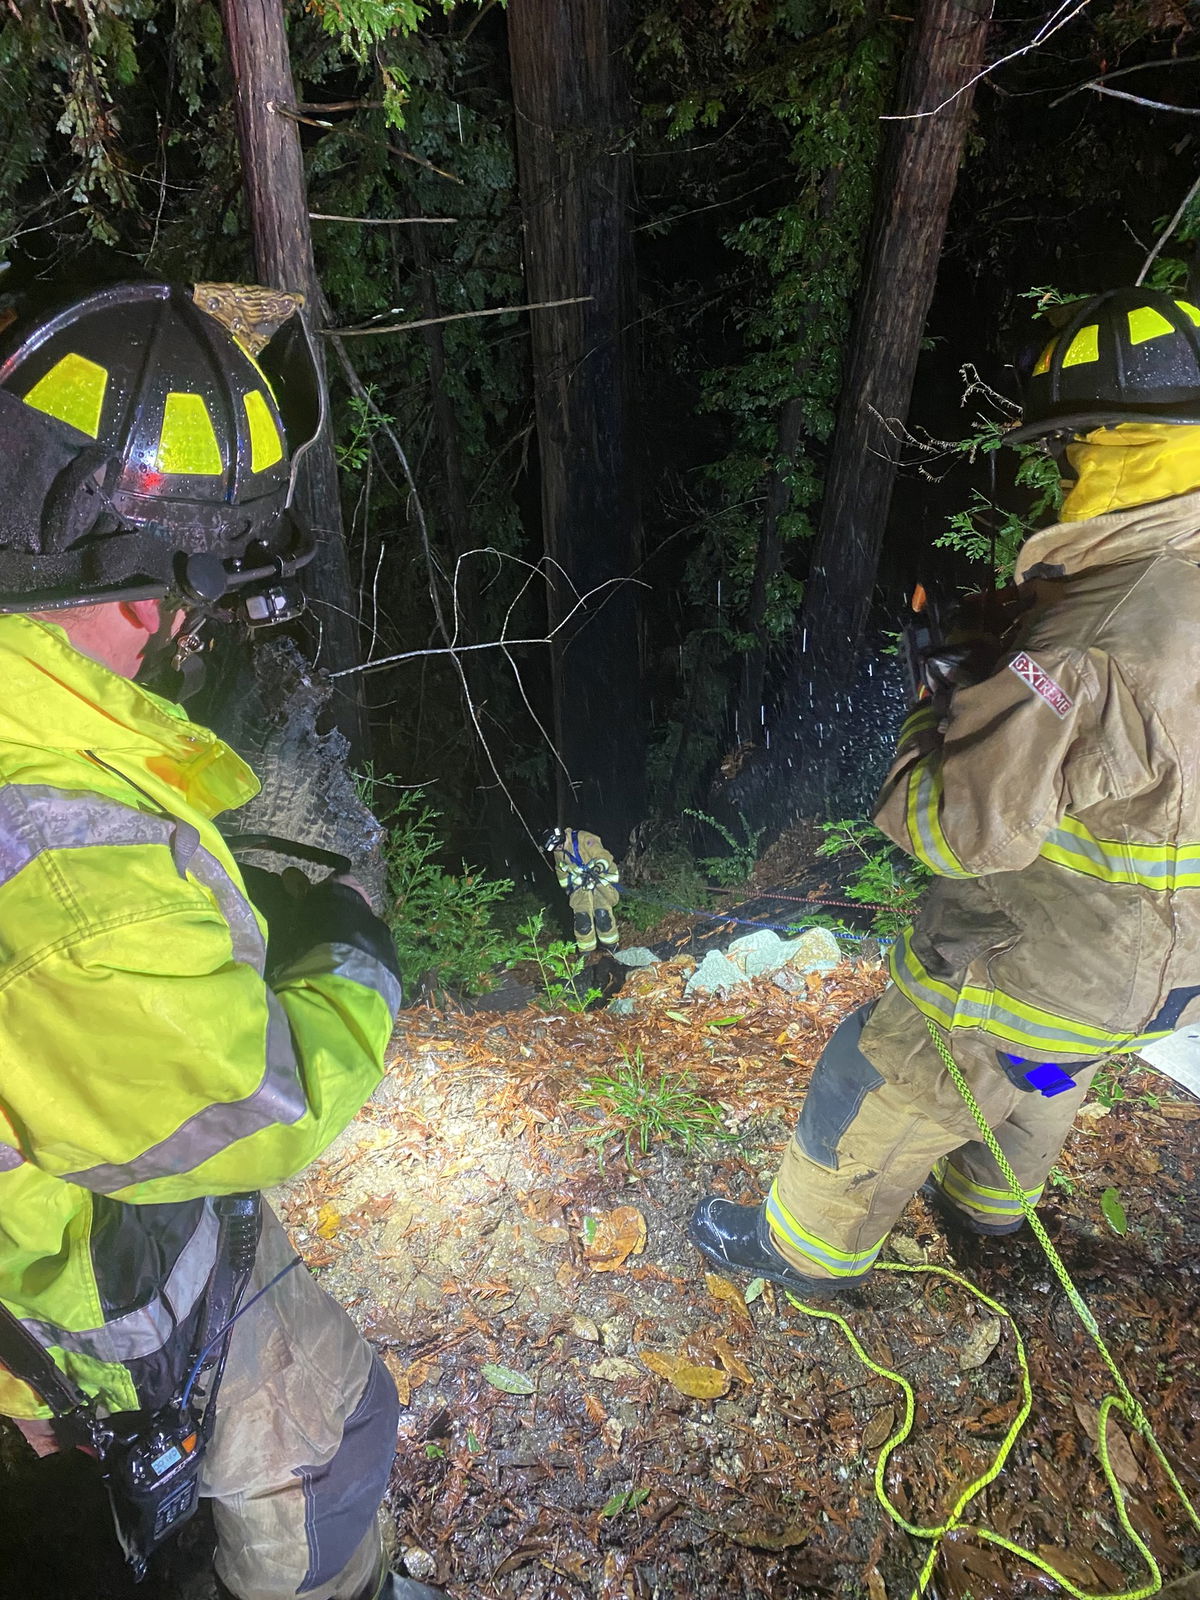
pixel 303 1442
pixel 881 1112
pixel 588 900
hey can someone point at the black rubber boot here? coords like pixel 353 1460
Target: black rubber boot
pixel 739 1239
pixel 606 927
pixel 958 1221
pixel 397 1588
pixel 585 933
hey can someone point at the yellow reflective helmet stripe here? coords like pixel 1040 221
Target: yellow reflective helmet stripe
pixel 1085 347
pixel 188 442
pixel 266 447
pixel 1043 364
pixel 72 391
pixel 1189 310
pixel 1147 323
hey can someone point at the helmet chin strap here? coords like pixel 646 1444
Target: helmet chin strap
pixel 172 660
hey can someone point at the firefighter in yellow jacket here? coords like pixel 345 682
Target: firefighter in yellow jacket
pixel 587 871
pixel 1058 803
pixel 161 1043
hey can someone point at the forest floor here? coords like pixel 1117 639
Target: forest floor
pixel 485 1232
pixel 530 1286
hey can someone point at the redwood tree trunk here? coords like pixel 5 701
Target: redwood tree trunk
pixel 915 188
pixel 277 207
pixel 572 112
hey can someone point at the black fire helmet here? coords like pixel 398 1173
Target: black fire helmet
pixel 145 451
pixel 1128 355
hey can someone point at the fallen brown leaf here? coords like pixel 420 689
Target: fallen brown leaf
pixel 723 1289
pixel 879 1430
pixel 980 1343
pixel 1120 1453
pixel 619 1234
pixel 732 1362
pixel 875 1586
pixel 760 1539
pixel 698 1383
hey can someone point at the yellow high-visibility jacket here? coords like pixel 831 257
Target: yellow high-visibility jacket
pixel 145 1064
pixel 1058 802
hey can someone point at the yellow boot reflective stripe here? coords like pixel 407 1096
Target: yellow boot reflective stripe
pixel 839 1263
pixel 925 834
pixel 1149 866
pixel 978 1196
pixel 73 391
pixel 1002 1015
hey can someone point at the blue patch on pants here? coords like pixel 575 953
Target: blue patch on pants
pixel 841 1081
pixel 342 1496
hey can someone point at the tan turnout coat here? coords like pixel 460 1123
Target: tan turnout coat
pixel 1058 802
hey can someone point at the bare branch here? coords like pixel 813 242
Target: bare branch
pixel 1140 100
pixel 1123 72
pixel 1049 27
pixel 361 138
pixel 360 390
pixel 1169 230
pixel 456 316
pixel 376 222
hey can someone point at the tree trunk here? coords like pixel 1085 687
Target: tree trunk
pixel 916 186
pixel 572 114
pixel 458 517
pixel 277 206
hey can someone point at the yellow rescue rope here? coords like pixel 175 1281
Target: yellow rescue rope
pixel 1123 1401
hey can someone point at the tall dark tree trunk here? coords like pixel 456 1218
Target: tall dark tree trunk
pixel 915 188
pixel 277 206
pixel 572 114
pixel 458 522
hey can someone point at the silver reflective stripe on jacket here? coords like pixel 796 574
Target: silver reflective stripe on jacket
pixel 10 1159
pixel 35 818
pixel 344 961
pixel 278 1098
pixel 142 1332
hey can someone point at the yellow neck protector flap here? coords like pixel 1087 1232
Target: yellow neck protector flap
pixel 1131 465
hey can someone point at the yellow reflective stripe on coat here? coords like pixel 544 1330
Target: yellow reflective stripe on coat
pixel 840 1263
pixel 978 1196
pixel 929 844
pixel 999 1014
pixel 1149 866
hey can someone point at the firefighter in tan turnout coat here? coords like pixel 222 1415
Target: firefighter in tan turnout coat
pixel 587 871
pixel 1058 803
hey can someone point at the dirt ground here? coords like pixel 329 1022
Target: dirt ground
pixel 491 1235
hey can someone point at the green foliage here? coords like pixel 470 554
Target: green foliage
pixel 884 876
pixel 737 866
pixel 1109 1087
pixel 984 525
pixel 443 922
pixel 641 1109
pixel 559 964
pixel 1063 1181
pixel 624 1500
pixel 1114 1211
pixel 353 451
